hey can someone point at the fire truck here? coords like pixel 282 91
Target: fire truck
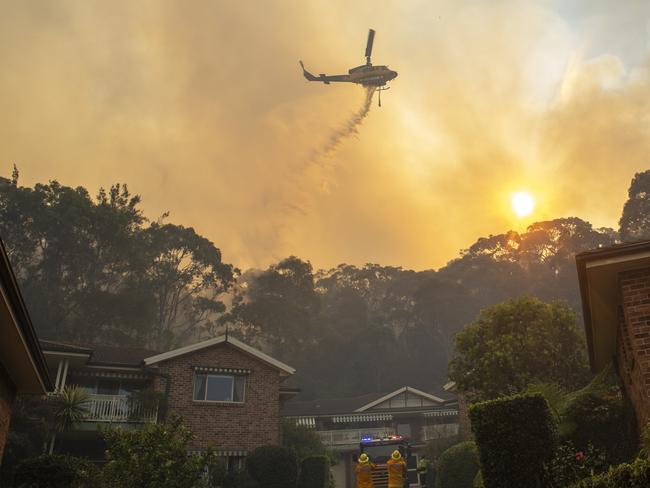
pixel 379 451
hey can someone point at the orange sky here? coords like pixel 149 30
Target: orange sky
pixel 201 108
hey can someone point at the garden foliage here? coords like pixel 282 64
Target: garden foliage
pixel 515 437
pixel 55 471
pixel 314 472
pixel 596 415
pixel 570 465
pixel 154 457
pixel 458 466
pixel 273 467
pixel 635 475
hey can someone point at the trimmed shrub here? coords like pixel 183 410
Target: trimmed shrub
pixel 635 475
pixel 515 436
pixel 273 467
pixel 457 466
pixel 314 472
pixel 55 471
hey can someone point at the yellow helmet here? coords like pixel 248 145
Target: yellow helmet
pixel 396 455
pixel 363 458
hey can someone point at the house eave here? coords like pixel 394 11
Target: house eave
pixel 598 272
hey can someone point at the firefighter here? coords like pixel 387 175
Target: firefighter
pixel 396 470
pixel 363 471
pixel 423 469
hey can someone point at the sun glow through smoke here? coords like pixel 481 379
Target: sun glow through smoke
pixel 522 204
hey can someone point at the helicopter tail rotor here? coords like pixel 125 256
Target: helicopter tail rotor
pixel 371 39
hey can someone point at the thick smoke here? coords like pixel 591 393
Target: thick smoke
pixel 493 97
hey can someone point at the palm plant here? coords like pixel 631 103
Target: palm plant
pixel 70 406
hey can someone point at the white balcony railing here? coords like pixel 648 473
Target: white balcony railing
pixel 118 408
pixel 352 436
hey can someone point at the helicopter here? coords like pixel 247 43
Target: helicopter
pixel 366 75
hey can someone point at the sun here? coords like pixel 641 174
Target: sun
pixel 522 203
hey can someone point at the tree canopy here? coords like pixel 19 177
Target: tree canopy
pixel 95 269
pixel 635 220
pixel 516 343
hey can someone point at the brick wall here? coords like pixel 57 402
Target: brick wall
pixel 633 340
pixel 254 423
pixel 7 395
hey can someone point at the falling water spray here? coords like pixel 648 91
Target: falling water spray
pixel 349 128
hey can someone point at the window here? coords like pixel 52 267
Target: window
pixel 219 388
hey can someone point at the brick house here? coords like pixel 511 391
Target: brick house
pixel 227 392
pixel 22 366
pixel 342 423
pixel 615 292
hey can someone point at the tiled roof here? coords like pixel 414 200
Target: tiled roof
pixel 104 355
pixel 121 355
pixel 332 406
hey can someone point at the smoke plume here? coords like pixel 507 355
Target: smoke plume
pixel 201 108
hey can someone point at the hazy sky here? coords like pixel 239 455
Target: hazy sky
pixel 200 106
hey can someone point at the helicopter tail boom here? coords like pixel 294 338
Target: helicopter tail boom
pixel 307 74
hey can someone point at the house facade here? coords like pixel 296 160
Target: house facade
pixel 615 292
pixel 228 393
pixel 22 367
pixel 344 422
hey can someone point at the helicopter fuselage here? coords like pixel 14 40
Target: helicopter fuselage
pixel 369 75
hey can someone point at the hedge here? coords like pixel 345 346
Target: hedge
pixel 314 472
pixel 273 467
pixel 55 471
pixel 457 466
pixel 635 475
pixel 515 436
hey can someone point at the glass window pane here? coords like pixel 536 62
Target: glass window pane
pixel 199 386
pixel 108 387
pixel 220 388
pixel 240 385
pixel 130 386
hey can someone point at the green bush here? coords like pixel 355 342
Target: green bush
pixel 515 437
pixel 635 475
pixel 273 467
pixel 155 456
pixel 314 472
pixel 604 420
pixel 55 471
pixel 457 466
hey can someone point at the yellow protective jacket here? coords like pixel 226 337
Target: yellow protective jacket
pixel 364 474
pixel 396 473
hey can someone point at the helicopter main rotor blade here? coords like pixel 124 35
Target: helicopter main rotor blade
pixel 371 38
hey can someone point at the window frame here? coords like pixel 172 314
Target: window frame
pixel 232 388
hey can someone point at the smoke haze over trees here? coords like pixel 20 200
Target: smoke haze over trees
pixel 94 269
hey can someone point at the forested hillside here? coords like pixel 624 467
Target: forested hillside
pixel 94 269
